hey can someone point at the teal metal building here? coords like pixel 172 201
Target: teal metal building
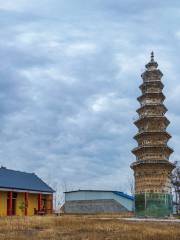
pixel 97 201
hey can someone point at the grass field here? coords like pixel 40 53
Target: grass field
pixel 85 228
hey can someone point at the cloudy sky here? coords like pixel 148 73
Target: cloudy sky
pixel 69 77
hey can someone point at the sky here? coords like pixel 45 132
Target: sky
pixel 69 77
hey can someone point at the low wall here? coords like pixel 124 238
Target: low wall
pixel 93 206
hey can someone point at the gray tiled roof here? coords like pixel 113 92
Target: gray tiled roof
pixel 11 179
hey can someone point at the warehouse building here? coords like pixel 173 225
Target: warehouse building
pixel 24 193
pixel 97 201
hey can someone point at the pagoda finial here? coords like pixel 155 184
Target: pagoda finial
pixel 151 64
pixel 152 56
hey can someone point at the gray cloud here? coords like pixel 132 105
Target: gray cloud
pixel 69 80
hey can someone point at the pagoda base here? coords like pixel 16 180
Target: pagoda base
pixel 153 205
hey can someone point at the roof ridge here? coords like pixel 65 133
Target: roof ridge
pixel 97 190
pixel 13 170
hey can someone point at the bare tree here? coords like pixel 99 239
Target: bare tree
pixel 131 187
pixel 176 186
pixel 59 196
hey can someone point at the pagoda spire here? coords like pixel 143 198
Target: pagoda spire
pixel 152 56
pixel 151 65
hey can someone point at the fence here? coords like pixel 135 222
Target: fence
pixel 153 204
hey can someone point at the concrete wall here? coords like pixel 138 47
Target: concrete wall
pixel 95 195
pixel 93 206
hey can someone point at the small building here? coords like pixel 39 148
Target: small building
pixel 97 201
pixel 24 193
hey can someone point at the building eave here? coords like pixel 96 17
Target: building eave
pixel 24 190
pixel 109 191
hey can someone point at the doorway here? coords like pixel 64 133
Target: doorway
pixel 14 196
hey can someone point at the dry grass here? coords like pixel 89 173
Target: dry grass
pixel 85 228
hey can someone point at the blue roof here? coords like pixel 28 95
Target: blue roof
pixel 115 192
pixel 123 195
pixel 11 179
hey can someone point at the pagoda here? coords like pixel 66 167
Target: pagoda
pixel 152 169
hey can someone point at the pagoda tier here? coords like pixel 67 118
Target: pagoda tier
pixel 153 86
pixel 152 109
pixel 159 152
pixel 153 179
pixel 151 97
pixel 153 74
pixel 152 123
pixel 152 138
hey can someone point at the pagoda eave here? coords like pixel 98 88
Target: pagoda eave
pixel 152 105
pixel 145 84
pixel 162 133
pixel 153 75
pixel 136 150
pixel 147 118
pixel 150 95
pixel 143 162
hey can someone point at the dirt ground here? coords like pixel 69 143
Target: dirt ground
pixel 86 228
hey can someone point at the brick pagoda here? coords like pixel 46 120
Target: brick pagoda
pixel 152 168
